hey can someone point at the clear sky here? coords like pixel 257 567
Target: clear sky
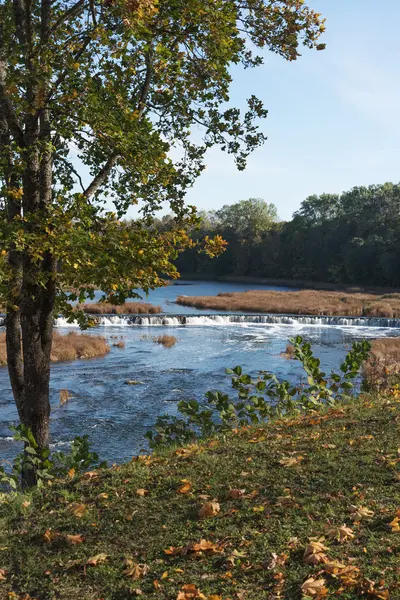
pixel 333 121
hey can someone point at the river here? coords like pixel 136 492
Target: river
pixel 116 415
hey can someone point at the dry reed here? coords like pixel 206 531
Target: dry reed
pixel 382 370
pixel 68 347
pixel 64 396
pixel 289 352
pixel 305 302
pixel 119 344
pixel 129 308
pixel 166 340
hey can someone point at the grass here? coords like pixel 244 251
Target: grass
pixel 305 302
pixel 129 308
pixel 165 340
pixel 72 346
pixel 269 491
pixel 382 370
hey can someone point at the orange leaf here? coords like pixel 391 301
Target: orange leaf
pixel 185 488
pixel 74 539
pixel 190 592
pixel 142 492
pixel 235 493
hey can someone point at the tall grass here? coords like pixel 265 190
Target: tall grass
pixel 305 302
pixel 382 370
pixel 129 308
pixel 68 347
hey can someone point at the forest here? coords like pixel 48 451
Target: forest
pixel 350 238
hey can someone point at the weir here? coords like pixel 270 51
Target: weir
pixel 172 320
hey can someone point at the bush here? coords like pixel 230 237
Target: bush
pixel 382 370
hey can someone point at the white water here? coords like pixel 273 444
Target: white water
pixel 235 319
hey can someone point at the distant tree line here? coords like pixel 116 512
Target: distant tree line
pixel 353 237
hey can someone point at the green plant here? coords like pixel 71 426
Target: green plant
pixel 47 466
pixel 261 399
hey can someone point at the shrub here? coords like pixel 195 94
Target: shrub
pixel 166 340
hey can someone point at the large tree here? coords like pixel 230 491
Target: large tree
pixel 113 89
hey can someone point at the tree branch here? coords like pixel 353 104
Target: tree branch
pixel 101 176
pixel 7 110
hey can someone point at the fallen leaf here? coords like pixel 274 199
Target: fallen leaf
pixel 3 574
pixel 74 539
pixel 78 510
pixel 90 475
pixel 236 493
pixel 395 525
pixel 135 570
pixel 97 559
pixel 173 550
pixel 314 588
pixel 26 504
pixel 341 534
pixel 205 546
pixel 334 567
pixel 102 496
pixel 361 512
pixel 142 492
pixel 315 553
pixel 190 591
pixel 291 461
pixel 210 509
pixel 48 536
pixel 71 473
pixel 185 488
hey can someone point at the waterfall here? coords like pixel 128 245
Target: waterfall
pixel 228 319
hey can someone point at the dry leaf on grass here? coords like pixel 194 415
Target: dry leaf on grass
pixel 202 546
pixel 135 570
pixel 142 492
pixel 314 588
pixel 361 512
pixel 74 539
pixel 97 559
pixel 395 525
pixel 236 493
pixel 341 534
pixel 190 592
pixel 291 461
pixel 185 488
pixel 3 574
pixel 210 509
pixel 78 510
pixel 315 553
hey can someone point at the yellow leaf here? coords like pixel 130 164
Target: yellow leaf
pixel 164 575
pixel 190 592
pixel 97 559
pixel 395 525
pixel 48 536
pixel 210 509
pixel 205 546
pixel 71 473
pixel 142 492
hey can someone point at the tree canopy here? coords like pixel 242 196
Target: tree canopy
pixel 113 88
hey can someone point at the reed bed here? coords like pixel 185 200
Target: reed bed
pixel 166 340
pixel 129 308
pixel 68 347
pixel 304 302
pixel 382 370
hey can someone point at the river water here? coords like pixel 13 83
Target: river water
pixel 116 415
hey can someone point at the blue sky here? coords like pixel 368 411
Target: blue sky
pixel 333 119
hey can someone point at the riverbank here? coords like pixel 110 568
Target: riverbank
pixel 303 302
pixel 305 507
pixel 290 283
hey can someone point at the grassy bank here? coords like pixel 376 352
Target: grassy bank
pixel 306 302
pixel 301 507
pixel 68 347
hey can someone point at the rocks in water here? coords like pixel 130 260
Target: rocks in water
pixel 133 382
